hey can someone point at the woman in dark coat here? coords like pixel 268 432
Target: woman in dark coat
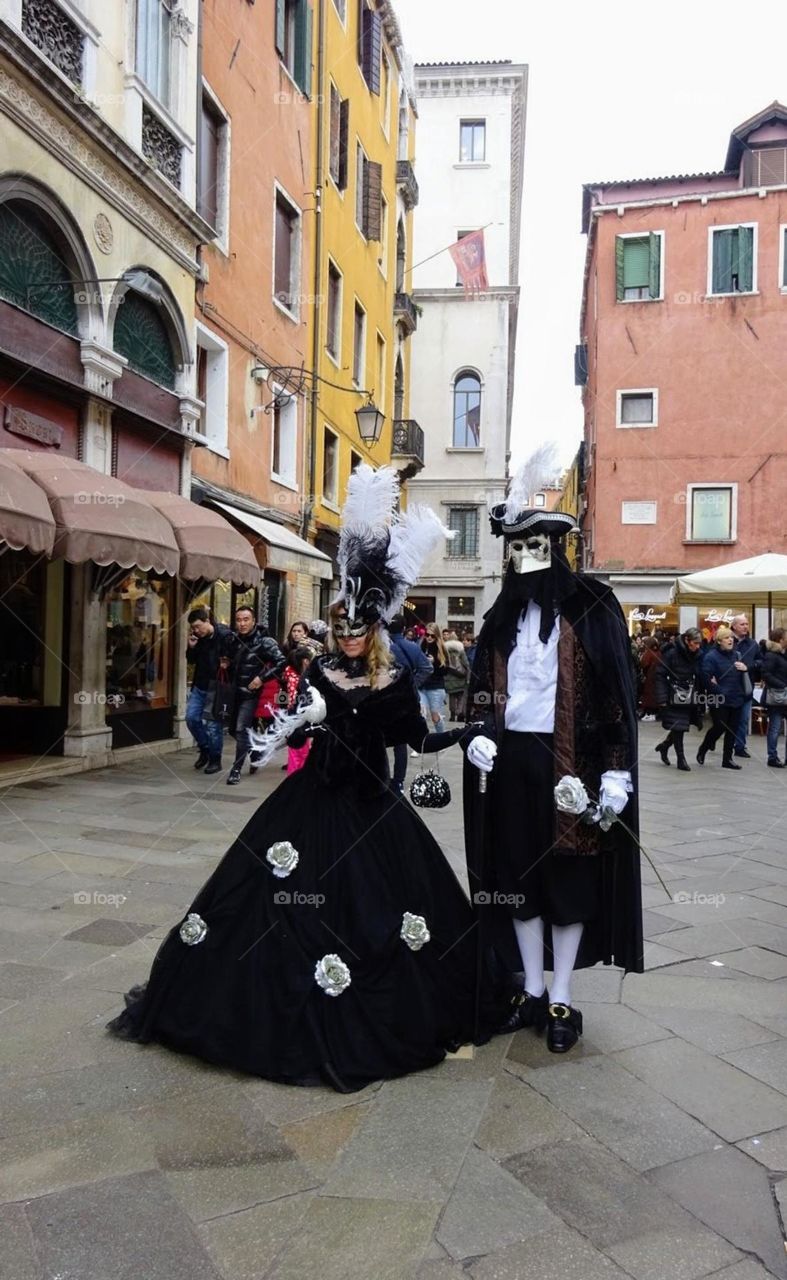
pixel 722 675
pixel 649 661
pixel 676 684
pixel 774 674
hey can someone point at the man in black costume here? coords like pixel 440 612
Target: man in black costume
pixel 553 682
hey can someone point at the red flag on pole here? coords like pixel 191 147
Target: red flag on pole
pixel 469 257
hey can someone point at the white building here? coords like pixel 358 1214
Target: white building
pixel 471 136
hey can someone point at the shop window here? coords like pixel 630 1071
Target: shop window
pixel 22 626
pixel 154 46
pixel 33 270
pixel 472 141
pixel 461 606
pixel 733 252
pixel 464 522
pixel 286 272
pixel 141 336
pixel 467 410
pixel 637 408
pixel 212 387
pixel 330 467
pixel 711 513
pixel 139 644
pixel 638 267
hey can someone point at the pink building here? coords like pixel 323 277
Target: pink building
pixel 683 363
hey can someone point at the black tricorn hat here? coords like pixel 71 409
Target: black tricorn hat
pixel 529 520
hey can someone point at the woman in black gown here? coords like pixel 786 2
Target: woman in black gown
pixel 333 942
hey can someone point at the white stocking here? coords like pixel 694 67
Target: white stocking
pixel 530 938
pixel 565 945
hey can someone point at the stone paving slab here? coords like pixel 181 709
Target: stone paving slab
pixel 552 1255
pixel 340 1238
pixel 731 1195
pixel 766 1062
pixel 770 1149
pixel 488 1210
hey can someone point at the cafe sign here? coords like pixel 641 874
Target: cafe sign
pixel 714 615
pixel 649 615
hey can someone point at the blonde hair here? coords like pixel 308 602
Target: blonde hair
pixel 722 633
pixel 377 651
pixel 442 656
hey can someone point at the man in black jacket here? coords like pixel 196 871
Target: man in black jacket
pixel 748 651
pixel 209 645
pixel 256 658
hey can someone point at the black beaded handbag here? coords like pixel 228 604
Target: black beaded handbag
pixel 429 789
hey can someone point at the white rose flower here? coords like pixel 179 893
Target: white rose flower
pixel 571 796
pixel 332 975
pixel 283 857
pixel 414 931
pixel 193 929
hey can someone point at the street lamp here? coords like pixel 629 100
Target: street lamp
pixel 370 421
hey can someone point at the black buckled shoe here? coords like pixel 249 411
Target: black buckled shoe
pixel 526 1011
pixel 564 1027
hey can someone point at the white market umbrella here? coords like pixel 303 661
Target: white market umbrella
pixel 757 580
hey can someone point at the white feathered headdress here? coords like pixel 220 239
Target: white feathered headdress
pixel 382 550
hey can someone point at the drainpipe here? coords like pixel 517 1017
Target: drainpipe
pixel 318 187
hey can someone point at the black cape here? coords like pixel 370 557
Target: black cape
pixel 615 937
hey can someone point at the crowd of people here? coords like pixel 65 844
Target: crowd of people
pixel 241 676
pixel 684 677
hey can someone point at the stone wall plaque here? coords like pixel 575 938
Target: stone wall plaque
pixel 22 423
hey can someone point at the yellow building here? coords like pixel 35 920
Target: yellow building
pixel 570 501
pixel 366 191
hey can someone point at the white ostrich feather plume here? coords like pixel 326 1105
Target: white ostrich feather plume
pixel 415 535
pixel 371 498
pixel 518 496
pixel 311 710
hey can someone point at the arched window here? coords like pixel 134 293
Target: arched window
pixel 141 336
pixel 467 410
pixel 34 271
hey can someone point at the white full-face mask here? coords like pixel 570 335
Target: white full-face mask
pixel 530 553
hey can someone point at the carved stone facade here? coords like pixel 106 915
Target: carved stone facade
pixel 161 147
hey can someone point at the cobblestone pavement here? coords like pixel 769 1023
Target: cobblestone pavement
pixel 657 1150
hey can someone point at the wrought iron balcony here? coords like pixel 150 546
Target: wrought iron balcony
pixel 408 442
pixel 404 310
pixel 407 183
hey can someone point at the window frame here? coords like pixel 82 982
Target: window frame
pixel 782 257
pixel 208 341
pixel 463 508
pixel 223 169
pixel 382 261
pixel 734 293
pixel 636 391
pixel 691 489
pixel 359 358
pixel 167 7
pixel 289 481
pixel 328 500
pixel 360 169
pixel 640 235
pixel 293 312
pixel 475 122
pixel 380 388
pixel 466 371
pixel 334 356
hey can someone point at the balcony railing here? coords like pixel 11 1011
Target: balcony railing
pixel 407 183
pixel 408 440
pixel 404 310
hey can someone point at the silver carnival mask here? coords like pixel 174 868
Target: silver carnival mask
pixel 528 554
pixel 346 629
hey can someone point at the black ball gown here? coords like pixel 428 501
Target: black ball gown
pixel 333 943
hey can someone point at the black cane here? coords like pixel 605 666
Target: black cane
pixel 479 834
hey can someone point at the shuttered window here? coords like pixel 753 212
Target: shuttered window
pixel 638 267
pixel 732 269
pixel 286 255
pixel 293 39
pixel 370 45
pixel 333 340
pixel 339 121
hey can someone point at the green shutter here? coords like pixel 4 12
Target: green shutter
pixel 654 265
pixel 745 247
pixel 619 259
pixel 723 253
pixel 636 263
pixel 281 19
pixel 303 48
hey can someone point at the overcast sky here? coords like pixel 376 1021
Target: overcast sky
pixel 615 91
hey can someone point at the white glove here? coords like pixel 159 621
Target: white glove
pixel 615 787
pixel 481 753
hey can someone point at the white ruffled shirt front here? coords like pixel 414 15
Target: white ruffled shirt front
pixel 532 676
